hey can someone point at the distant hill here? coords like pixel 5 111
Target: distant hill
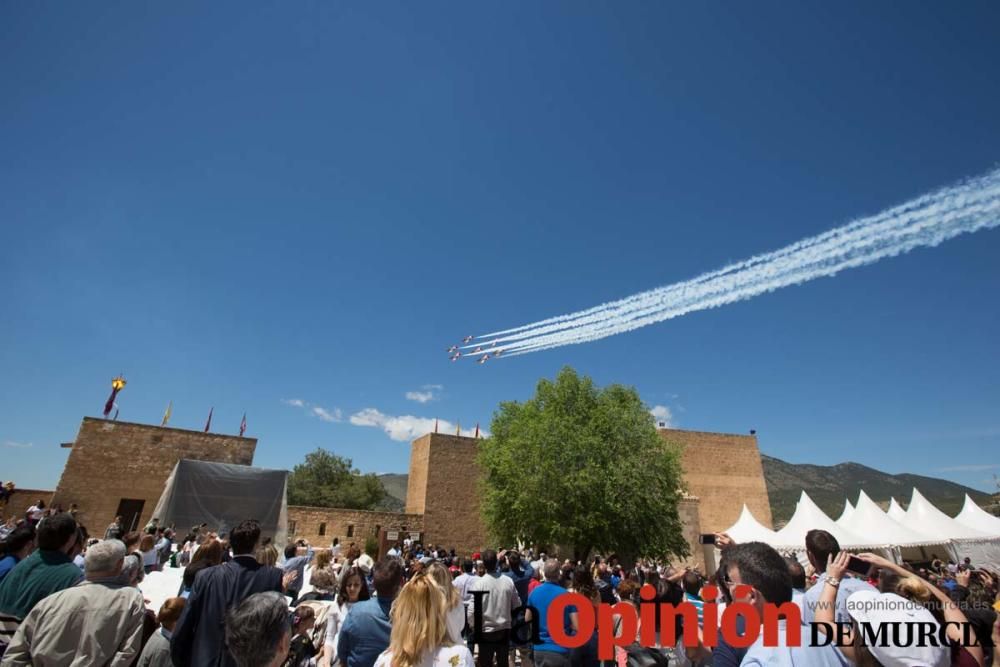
pixel 395 485
pixel 828 486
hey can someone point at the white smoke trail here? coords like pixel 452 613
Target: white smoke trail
pixel 918 209
pixel 923 222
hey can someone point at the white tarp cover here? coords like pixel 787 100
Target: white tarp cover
pixel 871 522
pixel 222 495
pixel 896 510
pixel 808 516
pixel 846 514
pixel 748 529
pixel 974 516
pixel 979 552
pixel 922 516
pixel 984 551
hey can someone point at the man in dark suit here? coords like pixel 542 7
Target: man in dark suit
pixel 199 638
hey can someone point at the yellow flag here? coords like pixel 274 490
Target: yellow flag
pixel 166 415
pixel 458 429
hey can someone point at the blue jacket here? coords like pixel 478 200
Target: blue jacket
pixel 365 633
pixel 199 639
pixel 7 564
pixel 522 580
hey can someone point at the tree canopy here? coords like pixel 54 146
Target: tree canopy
pixel 328 480
pixel 582 467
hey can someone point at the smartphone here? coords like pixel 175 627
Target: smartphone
pixel 707 538
pixel 858 566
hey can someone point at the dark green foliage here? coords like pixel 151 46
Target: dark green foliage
pixel 582 467
pixel 328 480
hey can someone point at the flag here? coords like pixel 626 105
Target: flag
pixel 166 415
pixel 435 425
pixel 458 428
pixel 208 424
pixel 115 418
pixel 477 430
pixel 243 425
pixel 116 386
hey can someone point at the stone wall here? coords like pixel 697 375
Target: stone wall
pixel 319 525
pixel 113 461
pixel 723 471
pixel 416 482
pixel 21 500
pixel 445 466
pixel 689 511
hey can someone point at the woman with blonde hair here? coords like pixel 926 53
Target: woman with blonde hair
pixel 420 630
pixel 267 555
pixel 455 610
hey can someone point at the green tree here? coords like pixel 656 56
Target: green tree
pixel 328 480
pixel 581 467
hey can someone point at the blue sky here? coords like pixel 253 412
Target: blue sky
pixel 276 208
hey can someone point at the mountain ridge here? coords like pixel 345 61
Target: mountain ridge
pixel 828 486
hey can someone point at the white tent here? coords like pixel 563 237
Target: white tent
pixel 984 550
pixel 878 530
pixel 973 516
pixel 846 514
pixel 809 516
pixel 896 510
pixel 923 516
pixel 748 529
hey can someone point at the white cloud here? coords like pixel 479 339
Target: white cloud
pixel 326 415
pixel 427 393
pixel 663 414
pixel 18 445
pixel 405 428
pixel 334 415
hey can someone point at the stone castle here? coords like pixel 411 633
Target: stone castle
pixel 120 468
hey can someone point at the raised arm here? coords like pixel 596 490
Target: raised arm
pixel 953 616
pixel 826 607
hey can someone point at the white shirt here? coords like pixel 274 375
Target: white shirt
pixel 365 562
pixel 462 583
pixel 35 512
pixel 847 586
pixel 334 621
pixel 799 656
pixel 501 599
pixel 445 656
pixel 456 622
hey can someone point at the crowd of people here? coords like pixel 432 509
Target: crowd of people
pixel 69 599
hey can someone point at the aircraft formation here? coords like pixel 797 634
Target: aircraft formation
pixel 477 352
